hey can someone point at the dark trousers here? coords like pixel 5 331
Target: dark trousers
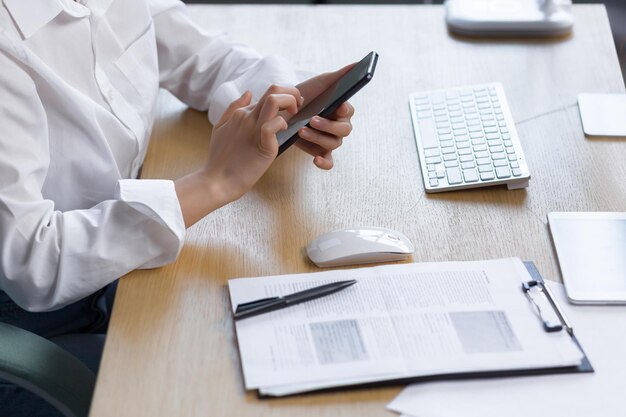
pixel 78 328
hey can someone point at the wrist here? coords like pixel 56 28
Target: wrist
pixel 199 194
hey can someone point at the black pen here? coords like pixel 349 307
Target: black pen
pixel 266 305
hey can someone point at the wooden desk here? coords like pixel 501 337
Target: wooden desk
pixel 171 349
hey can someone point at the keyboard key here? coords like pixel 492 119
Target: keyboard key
pixel 483 161
pixel 504 130
pixel 466 158
pixel 470 175
pixel 454 176
pixel 500 155
pixel 491 130
pixel 457 126
pixel 486 176
pixel 462 145
pixel 467 165
pixel 449 157
pixel 427 133
pixel 432 175
pixel 449 150
pixel 446 143
pixel 476 131
pixel 514 164
pixel 512 157
pixel 516 172
pixel 503 172
pixel 440 173
pixel 447 136
pixel 500 163
pixel 433 160
pixel 507 143
pixel 479 141
pixel 506 136
pixel 494 142
pixel 489 123
pixel 465 151
pixel 485 168
pixel 510 150
pixel 433 182
pixel 474 122
pixel 496 148
pixel 450 164
pixel 444 130
pixel 492 136
pixel 430 167
pixel 478 148
pixel 431 152
pixel 483 106
pixel 456 113
pixel 460 132
pixel 481 154
pixel 461 138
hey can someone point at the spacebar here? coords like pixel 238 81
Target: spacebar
pixel 428 133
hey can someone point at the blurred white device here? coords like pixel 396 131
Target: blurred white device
pixel 603 114
pixel 466 138
pixel 359 245
pixel 509 17
pixel 591 248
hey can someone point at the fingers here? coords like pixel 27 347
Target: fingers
pixel 268 143
pixel 276 90
pixel 324 161
pixel 275 103
pixel 345 111
pixel 331 127
pixel 242 101
pixel 325 141
pixel 322 158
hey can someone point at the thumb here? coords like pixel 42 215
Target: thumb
pixel 242 101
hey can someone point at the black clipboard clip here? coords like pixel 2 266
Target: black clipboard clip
pixel 547 325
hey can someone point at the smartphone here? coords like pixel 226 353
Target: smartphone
pixel 328 101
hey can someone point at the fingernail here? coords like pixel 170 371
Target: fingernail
pixel 301 100
pixel 304 133
pixel 316 120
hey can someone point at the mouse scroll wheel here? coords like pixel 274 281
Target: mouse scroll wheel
pixel 392 237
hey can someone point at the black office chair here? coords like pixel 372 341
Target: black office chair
pixel 45 369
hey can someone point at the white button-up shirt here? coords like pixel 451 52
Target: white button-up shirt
pixel 78 86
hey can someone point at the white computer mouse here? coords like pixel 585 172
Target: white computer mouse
pixel 359 245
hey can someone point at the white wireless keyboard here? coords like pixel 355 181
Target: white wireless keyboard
pixel 466 138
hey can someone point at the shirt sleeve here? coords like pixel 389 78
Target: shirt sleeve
pixel 210 71
pixel 49 258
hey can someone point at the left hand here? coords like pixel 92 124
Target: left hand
pixel 325 135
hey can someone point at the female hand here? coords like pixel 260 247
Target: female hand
pixel 325 134
pixel 243 146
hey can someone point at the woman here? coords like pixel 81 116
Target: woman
pixel 79 83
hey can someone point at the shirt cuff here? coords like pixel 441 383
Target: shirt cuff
pixel 157 200
pixel 269 70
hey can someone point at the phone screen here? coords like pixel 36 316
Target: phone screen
pixel 328 101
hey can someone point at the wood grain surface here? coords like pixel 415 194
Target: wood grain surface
pixel 171 348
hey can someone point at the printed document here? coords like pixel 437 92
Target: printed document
pixel 601 331
pixel 397 321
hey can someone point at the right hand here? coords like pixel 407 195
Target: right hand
pixel 243 146
pixel 243 143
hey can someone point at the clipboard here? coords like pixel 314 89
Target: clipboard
pixel 563 325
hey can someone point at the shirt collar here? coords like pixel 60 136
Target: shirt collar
pixel 32 15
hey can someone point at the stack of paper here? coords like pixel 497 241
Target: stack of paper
pixel 602 332
pixel 397 322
